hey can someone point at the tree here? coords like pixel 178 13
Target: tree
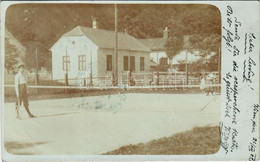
pixel 11 56
pixel 173 46
pixel 205 45
pixel 46 23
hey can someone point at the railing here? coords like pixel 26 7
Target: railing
pixel 141 79
pixel 160 80
pixel 127 78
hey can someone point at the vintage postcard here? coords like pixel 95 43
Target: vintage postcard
pixel 129 80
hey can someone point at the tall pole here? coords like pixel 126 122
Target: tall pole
pixel 219 65
pixel 36 60
pixel 37 74
pixel 116 46
pixel 129 70
pixel 207 65
pixel 157 60
pixel 91 77
pixel 66 75
pixel 157 71
pixel 186 60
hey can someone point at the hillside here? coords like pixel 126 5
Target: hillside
pixel 41 25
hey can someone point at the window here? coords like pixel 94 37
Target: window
pixel 163 61
pixel 141 63
pixel 125 63
pixel 109 62
pixel 65 63
pixel 132 63
pixel 82 62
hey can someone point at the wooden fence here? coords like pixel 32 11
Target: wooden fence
pixel 132 79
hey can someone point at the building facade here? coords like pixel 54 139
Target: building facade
pixel 158 53
pixel 91 52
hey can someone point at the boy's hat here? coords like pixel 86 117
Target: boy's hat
pixel 19 65
pixel 211 76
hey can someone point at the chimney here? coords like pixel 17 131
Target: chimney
pixel 94 23
pixel 165 33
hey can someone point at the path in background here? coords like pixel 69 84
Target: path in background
pixel 94 125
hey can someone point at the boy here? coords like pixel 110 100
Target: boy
pixel 210 80
pixel 21 91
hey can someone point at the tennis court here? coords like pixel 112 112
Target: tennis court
pixel 97 124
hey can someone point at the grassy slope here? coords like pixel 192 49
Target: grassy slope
pixel 200 140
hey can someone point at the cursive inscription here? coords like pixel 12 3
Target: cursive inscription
pixel 248 72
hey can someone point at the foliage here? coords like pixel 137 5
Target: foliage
pixel 11 55
pixel 173 46
pixel 44 24
pixel 206 44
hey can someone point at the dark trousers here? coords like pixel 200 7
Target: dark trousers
pixel 23 97
pixel 209 89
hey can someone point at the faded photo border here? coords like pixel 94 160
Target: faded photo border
pixel 239 86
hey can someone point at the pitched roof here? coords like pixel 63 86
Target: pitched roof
pixel 106 39
pixel 157 44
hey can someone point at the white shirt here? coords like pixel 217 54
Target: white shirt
pixel 20 78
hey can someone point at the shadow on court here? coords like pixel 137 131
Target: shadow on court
pixel 15 147
pixel 53 115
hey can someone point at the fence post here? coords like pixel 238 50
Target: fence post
pixel 66 81
pixel 128 78
pixel 157 79
pixel 91 79
pixel 187 75
pixel 113 79
pixel 36 81
pixel 84 81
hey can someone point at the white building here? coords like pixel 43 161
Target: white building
pixel 83 51
pixel 159 56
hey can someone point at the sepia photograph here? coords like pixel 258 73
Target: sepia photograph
pixel 112 79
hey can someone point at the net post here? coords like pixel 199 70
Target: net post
pixel 66 82
pixel 36 81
